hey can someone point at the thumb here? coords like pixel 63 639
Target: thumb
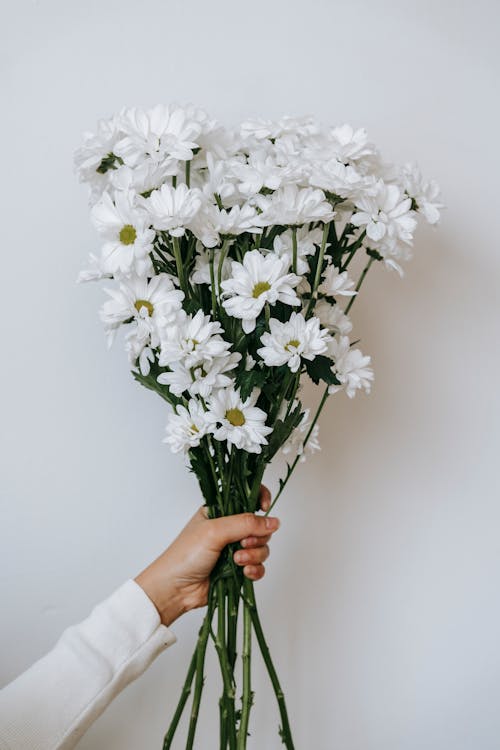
pixel 234 528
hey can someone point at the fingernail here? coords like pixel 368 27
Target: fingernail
pixel 241 557
pixel 272 524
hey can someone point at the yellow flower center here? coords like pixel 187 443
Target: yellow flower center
pixel 144 303
pixel 235 417
pixel 292 342
pixel 259 288
pixel 194 428
pixel 128 235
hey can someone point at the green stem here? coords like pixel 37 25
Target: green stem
pixel 222 258
pixel 246 701
pixel 188 173
pixel 319 268
pixel 178 263
pixel 200 663
pixel 186 690
pixel 227 679
pixel 358 285
pixel 232 621
pixel 212 284
pixel 294 249
pixel 221 636
pixel 297 457
pixel 286 733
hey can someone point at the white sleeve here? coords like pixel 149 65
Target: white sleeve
pixel 52 704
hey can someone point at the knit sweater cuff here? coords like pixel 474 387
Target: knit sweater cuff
pixel 53 703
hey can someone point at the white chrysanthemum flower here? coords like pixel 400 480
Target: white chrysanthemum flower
pixel 173 209
pixel 94 272
pixel 260 279
pixel 293 206
pixel 288 343
pixel 142 179
pixel 336 283
pixel 349 145
pixel 387 213
pixel 306 245
pixel 202 379
pixel 332 317
pixel 288 125
pixel 239 422
pixel 186 427
pixel 201 271
pixel 127 234
pixel 425 193
pixel 96 150
pixel 259 171
pixel 218 179
pixel 151 305
pixel 159 133
pixel 340 179
pixel 237 220
pixel 350 366
pixel 192 340
pixel 295 443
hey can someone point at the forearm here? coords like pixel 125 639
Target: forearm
pixel 52 704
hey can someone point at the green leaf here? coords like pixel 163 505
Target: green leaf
pixel 282 430
pixel 110 161
pixel 320 368
pixel 150 382
pixel 201 468
pixel 247 380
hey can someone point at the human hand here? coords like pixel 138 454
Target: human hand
pixel 179 579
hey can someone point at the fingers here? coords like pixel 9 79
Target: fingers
pixel 264 497
pixel 251 557
pixel 254 572
pixel 241 526
pixel 255 541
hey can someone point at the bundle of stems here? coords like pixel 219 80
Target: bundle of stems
pixel 232 596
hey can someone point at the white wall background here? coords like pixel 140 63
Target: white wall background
pixel 382 594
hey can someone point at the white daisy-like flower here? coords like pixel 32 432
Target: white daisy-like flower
pixel 349 145
pixel 425 193
pixel 173 209
pixel 288 343
pixel 201 271
pixel 336 283
pixel 202 379
pixel 260 170
pixel 94 272
pixel 142 179
pixel 260 279
pixel 386 213
pixel 159 133
pixel 239 422
pixel 351 367
pixel 332 317
pixel 306 245
pixel 272 129
pixel 186 427
pixel 127 234
pixel 218 179
pixel 295 443
pixel 213 222
pixel 338 178
pixel 192 340
pixel 151 305
pixel 292 205
pixel 95 156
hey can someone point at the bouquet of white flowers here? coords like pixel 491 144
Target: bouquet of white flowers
pixel 230 253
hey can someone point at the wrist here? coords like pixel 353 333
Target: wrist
pixel 165 595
